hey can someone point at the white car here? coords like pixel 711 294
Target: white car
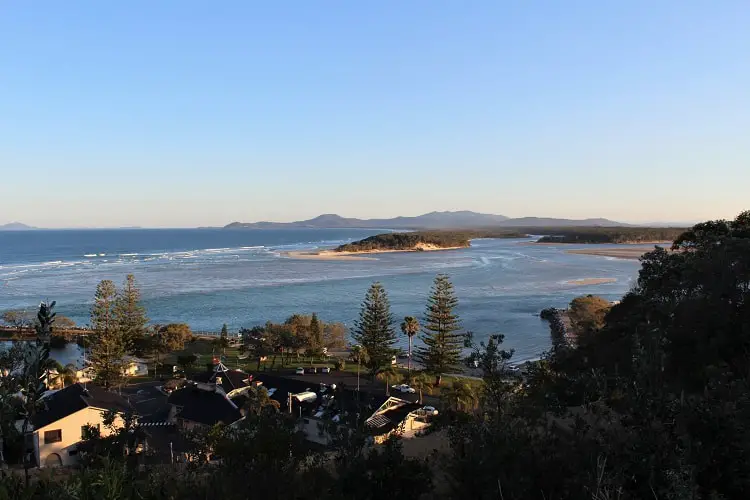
pixel 299 371
pixel 430 410
pixel 404 388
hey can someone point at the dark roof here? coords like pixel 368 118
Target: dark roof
pixel 74 398
pixel 230 379
pixel 204 406
pixel 347 400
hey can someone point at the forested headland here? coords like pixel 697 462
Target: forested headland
pixel 419 239
pixel 608 234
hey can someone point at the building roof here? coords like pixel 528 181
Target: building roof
pixel 385 420
pixel 76 397
pixel 203 405
pixel 230 379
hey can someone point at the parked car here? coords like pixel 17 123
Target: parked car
pixel 311 370
pixel 430 410
pixel 325 369
pixel 403 388
pixel 299 371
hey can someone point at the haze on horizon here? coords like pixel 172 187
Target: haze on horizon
pixel 195 114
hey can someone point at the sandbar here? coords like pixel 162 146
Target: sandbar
pixel 631 252
pixel 591 281
pixel 361 255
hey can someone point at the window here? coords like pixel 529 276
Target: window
pixel 52 436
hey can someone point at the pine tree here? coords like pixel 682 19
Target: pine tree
pixel 107 345
pixel 316 336
pixel 374 330
pixel 129 313
pixel 224 332
pixel 442 342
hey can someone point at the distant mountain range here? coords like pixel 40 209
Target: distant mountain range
pixel 432 220
pixel 15 226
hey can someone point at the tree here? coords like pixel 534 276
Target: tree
pixel 64 323
pixel 460 396
pixel 130 314
pixel 442 342
pixel 20 320
pixel 499 380
pixel 63 375
pixel 35 373
pixel 421 383
pixel 334 335
pixel 107 343
pixel 315 338
pixel 410 327
pixel 374 330
pixel 224 335
pixel 587 313
pixel 389 374
pixel 175 335
pixel 187 360
pixel 258 401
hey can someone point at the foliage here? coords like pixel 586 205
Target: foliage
pixel 390 375
pixel 374 330
pixel 130 314
pixel 607 234
pixel 20 320
pixel 587 313
pixel 410 328
pixel 186 360
pixel 107 343
pixel 175 335
pixel 442 342
pixel 421 383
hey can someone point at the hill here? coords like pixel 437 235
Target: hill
pixel 432 220
pixel 15 226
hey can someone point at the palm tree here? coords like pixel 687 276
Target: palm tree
pixel 410 327
pixel 68 374
pixel 421 383
pixel 389 373
pixel 460 396
pixel 358 354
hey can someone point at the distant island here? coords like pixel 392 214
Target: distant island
pixel 422 241
pixel 417 241
pixel 15 226
pixel 621 235
pixel 433 220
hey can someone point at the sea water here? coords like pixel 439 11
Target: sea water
pixel 208 277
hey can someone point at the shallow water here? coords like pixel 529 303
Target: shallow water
pixel 210 277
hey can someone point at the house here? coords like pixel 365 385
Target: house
pixel 233 382
pixel 57 427
pixel 202 405
pixel 397 415
pixel 134 367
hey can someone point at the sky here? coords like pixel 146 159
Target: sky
pixel 193 113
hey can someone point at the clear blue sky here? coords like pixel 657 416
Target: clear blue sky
pixel 185 113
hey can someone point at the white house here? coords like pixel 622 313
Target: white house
pixel 57 428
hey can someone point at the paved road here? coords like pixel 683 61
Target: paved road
pixel 348 380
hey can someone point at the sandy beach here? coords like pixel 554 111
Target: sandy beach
pixel 626 252
pixel 363 255
pixel 591 281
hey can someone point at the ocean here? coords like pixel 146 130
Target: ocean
pixel 207 277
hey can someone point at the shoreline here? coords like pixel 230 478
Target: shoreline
pixel 590 281
pixel 331 254
pixel 627 244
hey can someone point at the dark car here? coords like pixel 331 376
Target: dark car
pixel 311 370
